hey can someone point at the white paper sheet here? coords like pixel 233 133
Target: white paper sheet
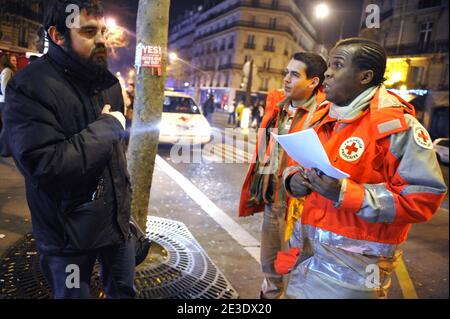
pixel 305 148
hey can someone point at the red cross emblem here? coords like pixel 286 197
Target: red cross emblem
pixel 184 119
pixel 423 136
pixel 351 149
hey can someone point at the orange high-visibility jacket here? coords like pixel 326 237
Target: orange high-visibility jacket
pixel 270 120
pixel 395 179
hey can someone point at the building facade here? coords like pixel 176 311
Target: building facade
pixel 20 22
pixel 415 35
pixel 216 40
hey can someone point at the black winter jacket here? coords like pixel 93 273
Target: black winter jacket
pixel 64 147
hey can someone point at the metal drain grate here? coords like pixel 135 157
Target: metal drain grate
pixel 176 268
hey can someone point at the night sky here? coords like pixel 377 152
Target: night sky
pixel 342 10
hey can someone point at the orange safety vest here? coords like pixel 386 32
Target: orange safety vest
pixel 376 165
pixel 297 124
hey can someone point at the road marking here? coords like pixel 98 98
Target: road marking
pixel 405 282
pixel 247 241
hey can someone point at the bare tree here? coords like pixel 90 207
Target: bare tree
pixel 151 31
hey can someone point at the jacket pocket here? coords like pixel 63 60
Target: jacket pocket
pixel 86 225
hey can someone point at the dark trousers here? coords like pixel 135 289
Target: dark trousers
pixel 117 272
pixel 232 118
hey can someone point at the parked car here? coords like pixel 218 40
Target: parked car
pixel 441 148
pixel 182 121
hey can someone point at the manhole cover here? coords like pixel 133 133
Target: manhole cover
pixel 176 268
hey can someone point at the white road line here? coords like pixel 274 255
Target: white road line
pixel 247 241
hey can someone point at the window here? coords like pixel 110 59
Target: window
pixel 227 79
pixel 250 42
pixel 265 84
pixel 174 104
pixel 426 29
pixel 231 43
pixel 273 23
pixel 253 20
pixel 274 4
pixel 23 41
pixel 270 44
pixel 417 74
pixel 267 64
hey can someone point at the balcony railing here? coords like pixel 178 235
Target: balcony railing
pixel 270 70
pixel 413 49
pixel 251 4
pixel 249 46
pixel 230 66
pixel 21 10
pixel 269 48
pixel 263 26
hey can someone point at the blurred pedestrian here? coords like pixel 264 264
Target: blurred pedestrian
pixel 8 67
pixel 208 108
pixel 232 113
pixel 239 113
pixel 64 119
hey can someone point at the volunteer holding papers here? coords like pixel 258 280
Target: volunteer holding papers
pixel 350 228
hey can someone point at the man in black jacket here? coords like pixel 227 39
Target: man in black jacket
pixel 64 124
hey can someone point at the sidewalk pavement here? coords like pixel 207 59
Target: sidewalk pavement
pixel 15 219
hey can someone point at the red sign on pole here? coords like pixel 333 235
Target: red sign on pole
pixel 149 57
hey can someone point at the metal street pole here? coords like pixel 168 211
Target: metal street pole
pixel 248 96
pixel 151 38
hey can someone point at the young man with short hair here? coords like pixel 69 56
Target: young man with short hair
pixel 262 189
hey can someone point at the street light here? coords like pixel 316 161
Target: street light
pixel 173 56
pixel 111 24
pixel 322 11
